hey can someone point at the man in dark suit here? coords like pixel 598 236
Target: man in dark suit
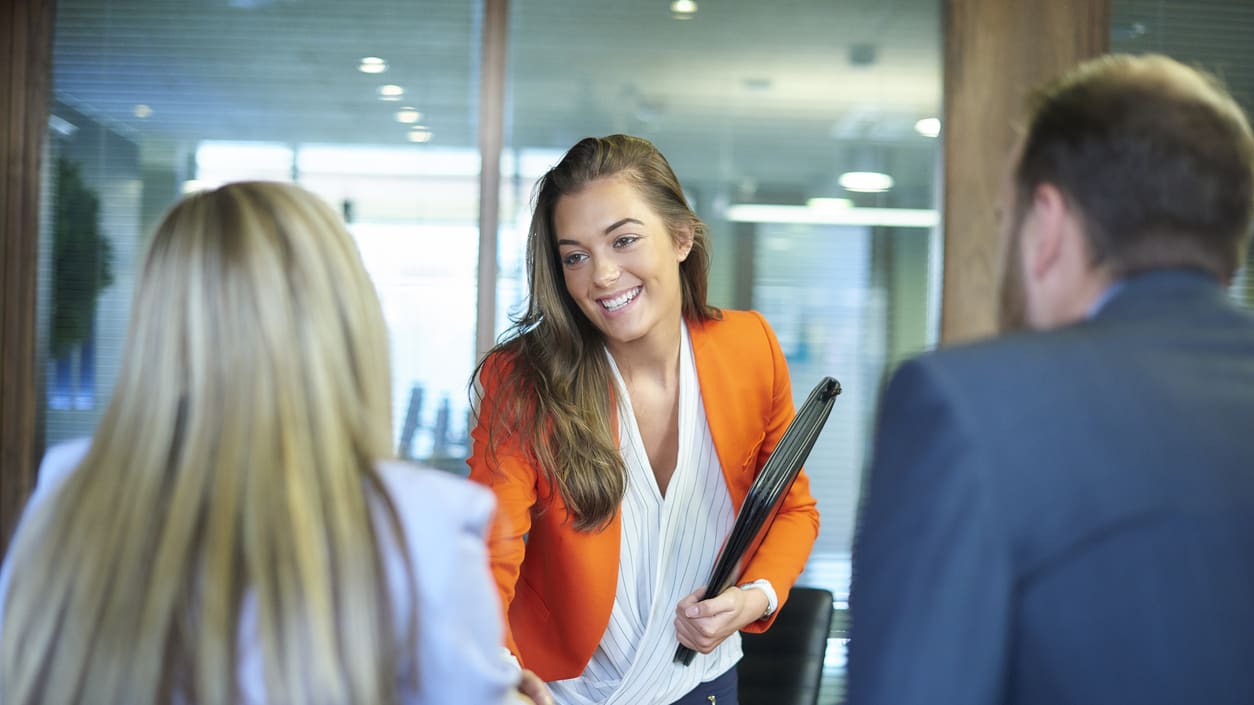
pixel 1066 514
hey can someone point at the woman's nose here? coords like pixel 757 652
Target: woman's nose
pixel 607 271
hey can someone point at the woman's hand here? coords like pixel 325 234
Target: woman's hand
pixel 533 690
pixel 703 624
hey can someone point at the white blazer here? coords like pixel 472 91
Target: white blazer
pixel 460 635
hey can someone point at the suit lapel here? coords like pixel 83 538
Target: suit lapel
pixel 727 410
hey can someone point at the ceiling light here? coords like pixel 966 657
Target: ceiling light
pixel 419 134
pixel 62 126
pixel 778 244
pixel 928 127
pixel 829 203
pixel 391 91
pixel 683 9
pixel 227 157
pixel 143 111
pixel 881 217
pixel 408 115
pixel 372 64
pixel 865 181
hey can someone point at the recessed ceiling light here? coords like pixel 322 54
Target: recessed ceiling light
pixel 928 127
pixel 419 134
pixel 372 64
pixel 865 181
pixel 683 9
pixel 408 115
pixel 391 91
pixel 143 111
pixel 829 203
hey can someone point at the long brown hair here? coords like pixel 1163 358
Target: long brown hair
pixel 236 457
pixel 555 382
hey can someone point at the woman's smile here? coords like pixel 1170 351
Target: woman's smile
pixel 618 302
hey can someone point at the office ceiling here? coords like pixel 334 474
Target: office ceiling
pixel 770 99
pixel 759 94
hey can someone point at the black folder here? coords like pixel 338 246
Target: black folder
pixel 767 493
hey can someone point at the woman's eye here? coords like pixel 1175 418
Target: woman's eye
pixel 573 259
pixel 626 240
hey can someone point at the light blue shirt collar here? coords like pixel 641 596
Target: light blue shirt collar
pixel 1105 297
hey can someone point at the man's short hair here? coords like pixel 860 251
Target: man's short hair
pixel 1157 156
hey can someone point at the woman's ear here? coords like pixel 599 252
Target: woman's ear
pixel 683 241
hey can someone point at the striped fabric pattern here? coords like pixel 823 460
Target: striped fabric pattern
pixel 668 549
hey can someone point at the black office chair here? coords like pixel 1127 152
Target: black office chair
pixel 784 665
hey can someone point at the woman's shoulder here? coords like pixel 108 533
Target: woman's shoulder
pixel 735 317
pixel 742 325
pixel 497 366
pixel 59 462
pixel 438 499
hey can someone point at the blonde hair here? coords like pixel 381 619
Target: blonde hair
pixel 237 457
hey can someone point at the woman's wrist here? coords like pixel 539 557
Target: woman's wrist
pixel 767 591
pixel 758 604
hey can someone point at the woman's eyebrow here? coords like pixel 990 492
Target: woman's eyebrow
pixel 610 229
pixel 621 223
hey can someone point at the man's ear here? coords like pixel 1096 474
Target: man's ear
pixel 1051 227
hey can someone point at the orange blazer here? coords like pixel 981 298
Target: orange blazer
pixel 557 587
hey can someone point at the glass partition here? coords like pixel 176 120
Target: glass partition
pixel 370 105
pixel 1213 34
pixel 806 136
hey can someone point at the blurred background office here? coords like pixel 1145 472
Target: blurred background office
pixel 808 134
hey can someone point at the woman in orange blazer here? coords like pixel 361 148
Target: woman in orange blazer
pixel 621 424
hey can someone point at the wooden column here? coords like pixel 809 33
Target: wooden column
pixel 491 141
pixel 25 74
pixel 996 51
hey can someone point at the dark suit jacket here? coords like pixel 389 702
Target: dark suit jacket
pixel 1066 517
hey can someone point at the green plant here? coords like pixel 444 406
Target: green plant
pixel 82 259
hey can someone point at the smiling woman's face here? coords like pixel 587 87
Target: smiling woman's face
pixel 619 261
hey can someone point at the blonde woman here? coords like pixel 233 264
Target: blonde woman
pixel 232 534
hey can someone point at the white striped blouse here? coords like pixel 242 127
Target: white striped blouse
pixel 668 547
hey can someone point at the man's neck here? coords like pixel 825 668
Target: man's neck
pixel 1112 289
pixel 1074 300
